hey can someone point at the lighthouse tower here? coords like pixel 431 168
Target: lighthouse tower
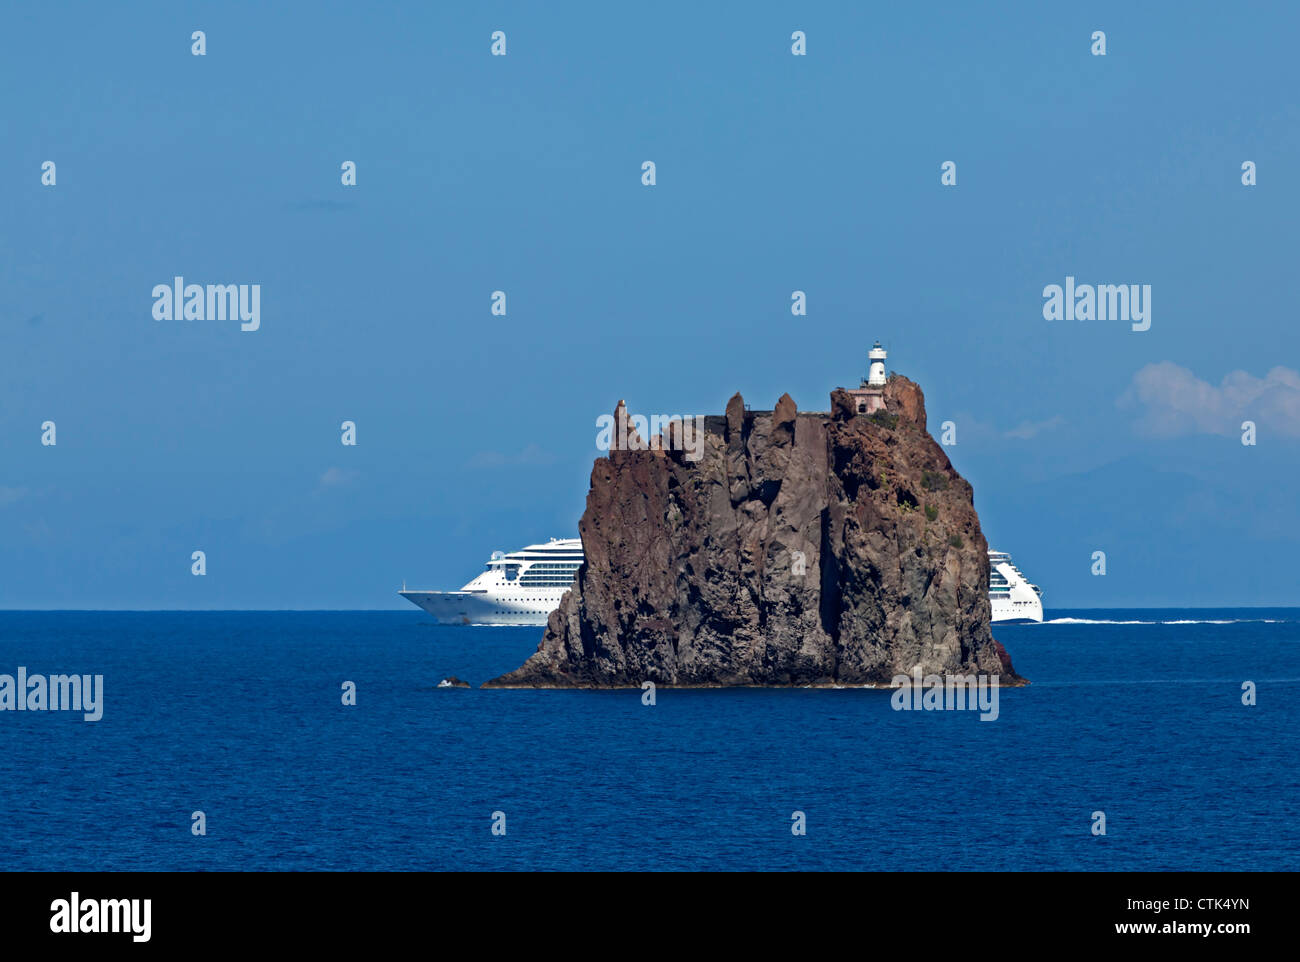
pixel 869 396
pixel 876 375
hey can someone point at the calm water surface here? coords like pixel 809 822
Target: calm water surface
pixel 238 714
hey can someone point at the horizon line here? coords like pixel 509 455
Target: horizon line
pixel 416 611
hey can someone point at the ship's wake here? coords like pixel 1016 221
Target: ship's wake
pixel 1176 621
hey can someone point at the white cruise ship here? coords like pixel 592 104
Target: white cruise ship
pixel 519 588
pixel 1011 595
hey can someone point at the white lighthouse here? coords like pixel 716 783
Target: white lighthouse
pixel 869 396
pixel 876 373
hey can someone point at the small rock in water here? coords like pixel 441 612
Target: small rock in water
pixel 453 682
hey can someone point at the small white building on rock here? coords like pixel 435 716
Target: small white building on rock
pixel 870 395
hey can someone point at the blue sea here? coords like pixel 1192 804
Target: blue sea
pixel 1137 714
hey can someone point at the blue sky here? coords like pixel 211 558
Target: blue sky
pixel 522 173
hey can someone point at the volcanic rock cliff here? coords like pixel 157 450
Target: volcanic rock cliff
pixel 799 549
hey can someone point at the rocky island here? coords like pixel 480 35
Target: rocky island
pixel 834 548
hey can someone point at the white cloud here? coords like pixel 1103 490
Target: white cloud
pixel 1028 429
pixel 971 428
pixel 337 477
pixel 1176 402
pixel 10 495
pixel 531 455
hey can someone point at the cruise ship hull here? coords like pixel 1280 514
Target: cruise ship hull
pixel 1023 612
pixel 467 608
